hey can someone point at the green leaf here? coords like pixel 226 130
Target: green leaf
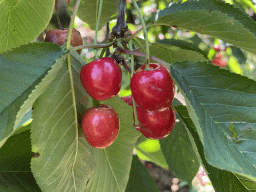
pixel 23 21
pixel 150 150
pixel 178 145
pixel 89 11
pixel 214 18
pixel 15 156
pixel 65 160
pixel 140 179
pixel 17 147
pixel 222 180
pixel 175 51
pixel 21 71
pixel 18 182
pixel 239 54
pixel 215 99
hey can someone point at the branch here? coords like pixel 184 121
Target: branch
pixel 121 23
pixel 137 53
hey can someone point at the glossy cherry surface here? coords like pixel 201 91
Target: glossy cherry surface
pixel 153 89
pixel 59 37
pixel 100 126
pixel 101 78
pixel 156 124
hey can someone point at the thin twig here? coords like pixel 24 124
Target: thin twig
pixel 137 53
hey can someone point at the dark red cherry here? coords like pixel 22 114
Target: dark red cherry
pixel 100 126
pixel 153 89
pixel 101 78
pixel 156 124
pixel 60 37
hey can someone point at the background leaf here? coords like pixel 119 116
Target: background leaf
pixel 150 150
pixel 89 10
pixel 23 21
pixel 178 146
pixel 171 51
pixel 140 180
pixel 215 99
pixel 213 18
pixel 15 156
pixel 22 69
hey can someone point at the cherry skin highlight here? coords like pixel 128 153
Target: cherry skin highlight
pixel 156 124
pixel 153 89
pixel 60 37
pixel 100 126
pixel 101 78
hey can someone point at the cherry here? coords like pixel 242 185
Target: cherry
pixel 101 78
pixel 100 126
pixel 153 89
pixel 60 37
pixel 218 61
pixel 156 124
pixel 216 48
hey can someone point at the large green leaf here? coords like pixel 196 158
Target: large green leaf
pixel 222 180
pixel 15 156
pixel 178 145
pixel 89 11
pixel 218 101
pixel 23 21
pixel 21 70
pixel 214 18
pixel 140 179
pixel 66 161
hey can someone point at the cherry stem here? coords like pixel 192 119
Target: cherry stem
pixel 57 14
pixel 136 120
pixel 145 33
pixel 97 27
pixel 92 46
pixel 137 53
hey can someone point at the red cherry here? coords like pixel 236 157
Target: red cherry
pixel 153 89
pixel 100 126
pixel 217 48
pixel 218 61
pixel 60 37
pixel 156 124
pixel 101 78
pixel 128 100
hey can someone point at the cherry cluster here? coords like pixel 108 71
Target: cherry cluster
pixel 152 89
